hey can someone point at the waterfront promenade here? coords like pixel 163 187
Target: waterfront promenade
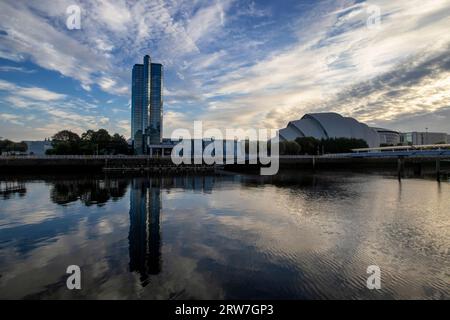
pixel 418 161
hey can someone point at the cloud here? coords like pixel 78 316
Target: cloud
pixel 35 93
pixel 124 125
pixel 112 32
pixel 114 14
pixel 11 118
pixel 48 112
pixel 416 86
pixel 315 74
pixel 50 45
pixel 207 20
pixel 42 42
pixel 16 69
pixel 40 94
pixel 251 9
pixel 5 85
pixel 239 63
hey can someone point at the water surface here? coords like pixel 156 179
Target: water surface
pixel 294 236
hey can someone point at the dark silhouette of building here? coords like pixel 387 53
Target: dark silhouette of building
pixel 144 236
pixel 146 105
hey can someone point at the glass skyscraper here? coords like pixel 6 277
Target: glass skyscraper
pixel 146 105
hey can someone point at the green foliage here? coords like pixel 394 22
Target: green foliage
pixel 312 146
pixel 90 143
pixel 342 145
pixel 119 144
pixel 308 145
pixel 292 148
pixel 65 142
pixel 11 146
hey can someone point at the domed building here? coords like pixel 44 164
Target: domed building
pixel 329 125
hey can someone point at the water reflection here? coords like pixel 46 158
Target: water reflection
pixel 145 211
pixel 291 236
pixel 10 188
pixel 88 191
pixel 144 237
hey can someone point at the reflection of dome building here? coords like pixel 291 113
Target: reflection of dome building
pixel 329 125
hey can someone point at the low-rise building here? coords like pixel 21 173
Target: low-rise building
pixel 38 148
pixel 388 137
pixel 423 138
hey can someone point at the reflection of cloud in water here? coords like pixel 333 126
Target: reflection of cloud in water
pixel 231 237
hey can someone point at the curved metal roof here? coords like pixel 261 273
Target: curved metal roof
pixel 330 125
pixel 383 130
pixel 309 128
pixel 289 134
pixel 334 124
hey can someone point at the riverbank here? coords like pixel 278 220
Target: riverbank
pixel 438 166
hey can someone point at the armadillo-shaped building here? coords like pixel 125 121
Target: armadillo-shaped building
pixel 329 125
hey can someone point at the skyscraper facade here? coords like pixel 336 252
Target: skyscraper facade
pixel 146 105
pixel 137 108
pixel 156 104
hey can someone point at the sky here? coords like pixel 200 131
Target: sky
pixel 231 63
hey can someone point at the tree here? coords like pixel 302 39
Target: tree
pixel 289 148
pixel 66 136
pixel 65 142
pixel 119 144
pixel 91 142
pixel 87 136
pixel 101 139
pixel 292 148
pixel 11 146
pixel 312 146
pixel 308 145
pixel 342 145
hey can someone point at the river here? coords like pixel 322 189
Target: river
pixel 292 236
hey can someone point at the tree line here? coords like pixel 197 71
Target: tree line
pixel 91 142
pixel 11 146
pixel 313 146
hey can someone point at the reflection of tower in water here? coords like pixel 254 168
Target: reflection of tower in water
pixel 144 237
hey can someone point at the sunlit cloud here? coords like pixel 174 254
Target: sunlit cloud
pixel 231 63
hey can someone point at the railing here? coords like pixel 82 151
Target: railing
pixel 409 153
pixel 405 148
pixel 84 157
